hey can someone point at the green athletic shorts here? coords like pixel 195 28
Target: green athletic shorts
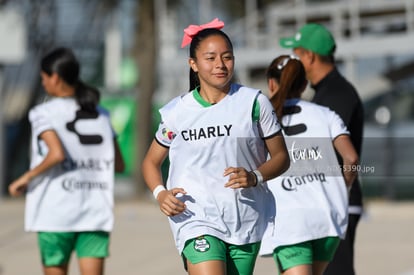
pixel 305 253
pixel 240 259
pixel 56 247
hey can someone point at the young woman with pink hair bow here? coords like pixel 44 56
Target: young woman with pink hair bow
pixel 224 142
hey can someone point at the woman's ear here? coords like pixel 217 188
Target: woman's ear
pixel 192 64
pixel 54 78
pixel 273 86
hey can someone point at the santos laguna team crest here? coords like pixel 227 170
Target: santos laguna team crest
pixel 201 244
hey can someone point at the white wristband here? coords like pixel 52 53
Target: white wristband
pixel 157 190
pixel 259 177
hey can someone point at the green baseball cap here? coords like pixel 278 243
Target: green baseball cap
pixel 313 37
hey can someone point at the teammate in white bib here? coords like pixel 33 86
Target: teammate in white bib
pixel 74 154
pixel 217 137
pixel 311 196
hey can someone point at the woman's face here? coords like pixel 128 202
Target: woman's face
pixel 214 62
pixel 49 83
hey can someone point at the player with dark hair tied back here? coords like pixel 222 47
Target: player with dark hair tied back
pixel 311 196
pixel 62 62
pixel 224 142
pixel 69 186
pixel 315 45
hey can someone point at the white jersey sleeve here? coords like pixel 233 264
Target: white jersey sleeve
pixel 39 121
pixel 164 135
pixel 268 121
pixel 337 125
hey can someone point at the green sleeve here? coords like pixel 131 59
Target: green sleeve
pixel 256 111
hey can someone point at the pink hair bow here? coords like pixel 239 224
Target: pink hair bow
pixel 193 30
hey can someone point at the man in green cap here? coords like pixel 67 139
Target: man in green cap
pixel 315 46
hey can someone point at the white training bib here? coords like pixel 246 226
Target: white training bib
pixel 206 141
pixel 76 195
pixel 311 197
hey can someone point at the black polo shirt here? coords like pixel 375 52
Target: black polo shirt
pixel 335 92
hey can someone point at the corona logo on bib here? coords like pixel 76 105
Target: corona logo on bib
pixel 292 183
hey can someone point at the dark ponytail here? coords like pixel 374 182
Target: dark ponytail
pixel 63 62
pixel 87 97
pixel 290 74
pixel 194 80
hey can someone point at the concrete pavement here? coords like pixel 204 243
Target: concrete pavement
pixel 142 242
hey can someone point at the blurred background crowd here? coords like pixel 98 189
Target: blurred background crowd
pixel 130 49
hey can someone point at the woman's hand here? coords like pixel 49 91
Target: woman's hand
pixel 19 186
pixel 169 204
pixel 239 178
